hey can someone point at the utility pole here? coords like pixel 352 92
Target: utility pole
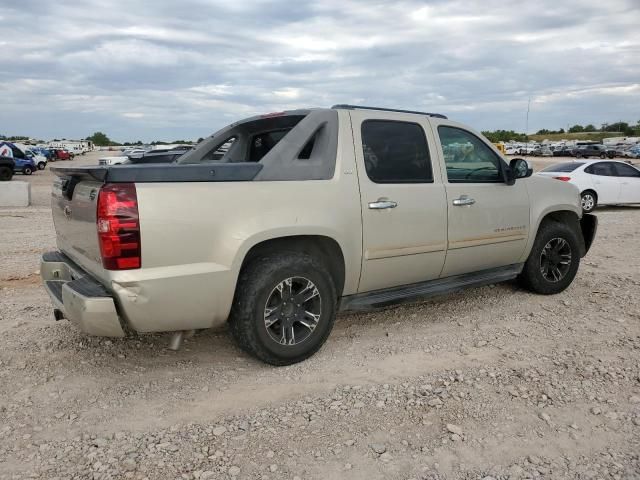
pixel 526 131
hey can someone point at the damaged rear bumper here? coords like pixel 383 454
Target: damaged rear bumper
pixel 79 298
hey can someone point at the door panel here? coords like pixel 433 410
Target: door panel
pixel 605 182
pixel 404 224
pixel 629 178
pixel 488 220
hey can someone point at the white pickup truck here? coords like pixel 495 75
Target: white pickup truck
pixel 275 223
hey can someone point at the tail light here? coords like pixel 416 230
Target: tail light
pixel 563 179
pixel 118 226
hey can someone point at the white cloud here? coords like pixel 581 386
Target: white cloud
pixel 184 69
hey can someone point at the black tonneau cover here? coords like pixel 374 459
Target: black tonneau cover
pixel 220 172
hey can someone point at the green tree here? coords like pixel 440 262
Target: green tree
pixel 576 129
pixel 589 128
pixel 100 139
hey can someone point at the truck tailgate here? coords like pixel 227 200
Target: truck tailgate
pixel 74 208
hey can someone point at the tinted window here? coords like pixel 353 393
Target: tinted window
pixel 395 152
pixel 468 159
pixel 564 167
pixel 626 170
pixel 17 153
pixel 602 169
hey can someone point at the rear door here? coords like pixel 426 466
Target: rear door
pixel 488 220
pixel 629 183
pixel 403 199
pixel 605 182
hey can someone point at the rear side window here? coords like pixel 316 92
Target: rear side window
pixel 395 152
pixel 564 167
pixel 605 169
pixel 219 151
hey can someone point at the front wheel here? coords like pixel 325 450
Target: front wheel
pixel 6 174
pixel 602 155
pixel 284 308
pixel 27 171
pixel 41 165
pixel 554 259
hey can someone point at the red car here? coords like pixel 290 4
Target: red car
pixel 61 154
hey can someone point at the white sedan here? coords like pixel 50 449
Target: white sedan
pixel 601 182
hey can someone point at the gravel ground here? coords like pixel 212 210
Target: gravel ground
pixel 493 383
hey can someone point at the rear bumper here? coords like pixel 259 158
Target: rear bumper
pixel 78 297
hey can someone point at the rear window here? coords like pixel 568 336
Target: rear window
pixel 564 167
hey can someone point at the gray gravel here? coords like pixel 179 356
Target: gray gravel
pixel 494 383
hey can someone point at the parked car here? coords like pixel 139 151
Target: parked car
pixel 600 183
pixel 633 152
pixel 159 156
pixel 277 222
pixel 20 153
pixel 586 151
pixel 563 152
pixel 6 168
pixel 527 149
pixel 25 166
pixel 61 154
pixel 542 152
pixel 119 160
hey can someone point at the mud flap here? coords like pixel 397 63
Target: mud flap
pixel 589 226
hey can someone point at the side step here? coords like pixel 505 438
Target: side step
pixel 424 290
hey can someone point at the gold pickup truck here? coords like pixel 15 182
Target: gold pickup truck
pixel 277 222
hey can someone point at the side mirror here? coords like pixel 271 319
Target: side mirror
pixel 519 168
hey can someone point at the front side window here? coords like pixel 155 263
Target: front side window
pixel 626 170
pixel 468 159
pixel 395 152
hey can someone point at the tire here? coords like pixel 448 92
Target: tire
pixel 535 277
pixel 602 155
pixel 6 174
pixel 41 165
pixel 27 170
pixel 258 290
pixel 588 201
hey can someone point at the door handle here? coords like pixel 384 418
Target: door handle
pixel 382 203
pixel 463 200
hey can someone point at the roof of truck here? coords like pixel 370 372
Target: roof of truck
pixel 344 106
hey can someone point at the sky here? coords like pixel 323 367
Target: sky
pixel 183 69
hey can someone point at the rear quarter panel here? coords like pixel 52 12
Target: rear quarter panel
pixel 196 235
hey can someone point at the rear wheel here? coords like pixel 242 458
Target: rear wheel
pixel 554 259
pixel 6 174
pixel 27 170
pixel 284 308
pixel 588 201
pixel 602 155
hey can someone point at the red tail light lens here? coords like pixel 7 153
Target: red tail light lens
pixel 119 226
pixel 563 179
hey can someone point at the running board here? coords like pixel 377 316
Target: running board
pixel 416 292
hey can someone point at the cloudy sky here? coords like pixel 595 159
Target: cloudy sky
pixel 169 70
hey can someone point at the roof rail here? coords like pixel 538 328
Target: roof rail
pixel 362 107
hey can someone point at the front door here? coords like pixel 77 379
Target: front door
pixel 488 220
pixel 629 178
pixel 605 182
pixel 403 200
